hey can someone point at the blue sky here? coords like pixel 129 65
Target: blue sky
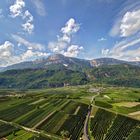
pixel 32 29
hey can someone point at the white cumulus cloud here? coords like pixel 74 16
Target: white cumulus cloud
pixel 130 23
pixel 105 52
pixel 7 53
pixel 6 49
pixel 73 50
pixel 32 55
pixel 8 56
pixel 57 47
pixel 63 44
pixel 64 38
pixel 29 45
pixel 17 8
pixel 70 27
pixel 28 26
pixel 28 16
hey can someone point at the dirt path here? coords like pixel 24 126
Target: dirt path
pixel 86 135
pixel 36 102
pixel 134 113
pixel 77 109
pixel 39 123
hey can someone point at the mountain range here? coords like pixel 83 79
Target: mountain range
pixel 58 70
pixel 69 62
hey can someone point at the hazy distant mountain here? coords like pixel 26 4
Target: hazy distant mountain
pixel 52 62
pixel 111 61
pixel 58 61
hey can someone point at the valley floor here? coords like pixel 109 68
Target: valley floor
pixel 89 112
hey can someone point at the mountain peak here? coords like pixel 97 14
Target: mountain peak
pixel 55 57
pixel 59 60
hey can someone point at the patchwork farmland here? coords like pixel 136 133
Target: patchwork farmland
pixel 52 115
pixel 59 114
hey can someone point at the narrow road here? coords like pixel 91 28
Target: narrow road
pixel 86 136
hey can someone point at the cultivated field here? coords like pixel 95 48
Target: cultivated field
pixel 60 113
pixel 106 125
pixel 122 100
pixel 53 113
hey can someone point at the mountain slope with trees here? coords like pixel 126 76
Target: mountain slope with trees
pixel 58 76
